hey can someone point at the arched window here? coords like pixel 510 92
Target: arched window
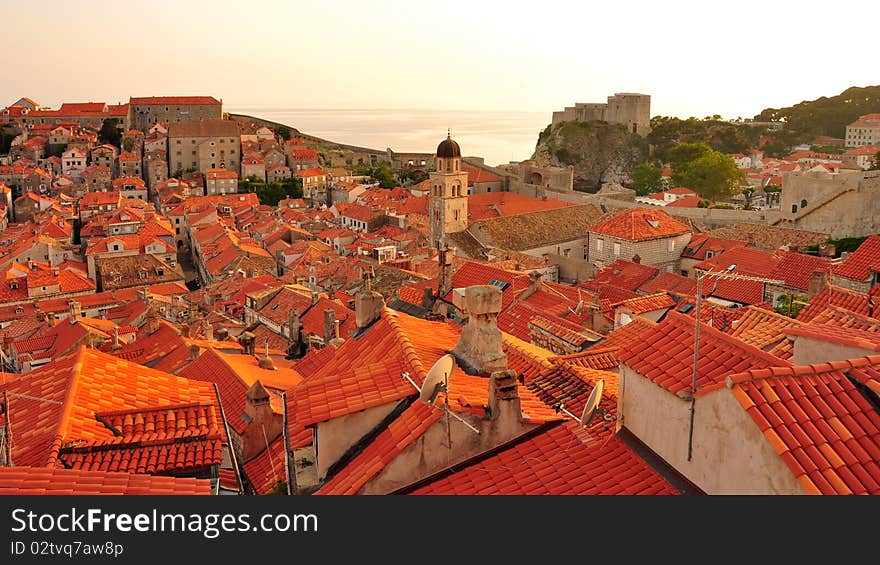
pixel 803 203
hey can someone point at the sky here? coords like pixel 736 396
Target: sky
pixel 693 58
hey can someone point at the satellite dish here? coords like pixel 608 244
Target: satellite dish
pixel 592 405
pixel 436 378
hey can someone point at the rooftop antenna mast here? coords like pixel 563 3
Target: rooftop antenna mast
pixel 437 381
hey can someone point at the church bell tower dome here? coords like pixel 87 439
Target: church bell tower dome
pixel 448 149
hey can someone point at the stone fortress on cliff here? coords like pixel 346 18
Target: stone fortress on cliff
pixel 629 109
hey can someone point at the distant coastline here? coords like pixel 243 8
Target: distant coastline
pixel 497 136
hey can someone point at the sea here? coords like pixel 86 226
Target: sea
pixel 496 136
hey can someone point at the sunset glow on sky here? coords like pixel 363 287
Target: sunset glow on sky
pixel 693 58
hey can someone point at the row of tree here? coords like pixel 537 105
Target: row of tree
pixel 711 174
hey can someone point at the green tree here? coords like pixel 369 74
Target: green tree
pixel 283 132
pixel 790 304
pixel 683 154
pixel 713 175
pixel 381 173
pixel 110 132
pixel 647 178
pixel 876 165
pixel 127 143
pixel 270 194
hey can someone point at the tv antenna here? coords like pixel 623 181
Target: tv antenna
pixel 437 381
pixel 591 408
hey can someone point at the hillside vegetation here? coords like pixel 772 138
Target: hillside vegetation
pixel 827 115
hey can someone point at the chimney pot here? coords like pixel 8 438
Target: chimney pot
pixel 479 346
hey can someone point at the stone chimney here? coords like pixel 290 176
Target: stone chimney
pixel 293 326
pixel 368 304
pixel 329 317
pixel 75 308
pixel 818 281
pixel 444 282
pixel 116 338
pixel 636 258
pixel 152 322
pixel 504 402
pixel 222 334
pixel 479 346
pixel 193 352
pixel 246 339
pixel 314 297
pixel 427 298
pixel 264 425
pixel 266 361
pixel 534 285
pixel 827 250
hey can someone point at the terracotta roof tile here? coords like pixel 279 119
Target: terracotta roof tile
pixel 59 481
pixel 862 262
pixel 564 459
pixel 669 282
pixel 641 223
pixel 824 430
pixel 405 429
pixel 85 383
pixel 622 274
pixel 266 469
pixel 665 355
pixel 852 300
pixel 647 303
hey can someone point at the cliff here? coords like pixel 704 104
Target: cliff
pixel 600 152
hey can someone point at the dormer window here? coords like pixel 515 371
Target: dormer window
pixel 19 310
pixel 13 285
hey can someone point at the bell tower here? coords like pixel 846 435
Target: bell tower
pixel 448 200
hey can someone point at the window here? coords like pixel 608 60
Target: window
pixel 616 249
pixel 671 246
pixel 794 208
pixel 803 203
pixel 600 244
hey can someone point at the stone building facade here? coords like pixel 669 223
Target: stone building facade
pixel 146 111
pixel 627 108
pixel 203 145
pixel 842 205
pixel 649 237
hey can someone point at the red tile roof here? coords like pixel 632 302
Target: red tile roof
pixel 862 262
pixel 639 224
pixel 598 358
pixel 851 300
pixel 174 100
pixel 762 328
pixel 23 480
pixel 477 175
pixel 669 281
pixel 498 204
pixel 622 274
pixel 405 429
pixel 837 334
pixel 648 303
pixel 748 261
pixel 824 430
pixel 564 459
pixel 86 384
pixel 173 439
pixel 797 269
pixel 266 469
pixel 840 317
pixel 665 355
